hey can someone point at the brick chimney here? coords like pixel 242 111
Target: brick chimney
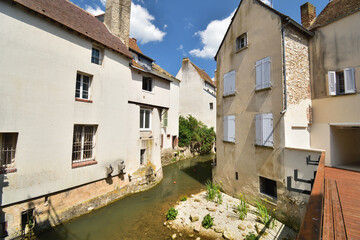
pixel 117 18
pixel 308 14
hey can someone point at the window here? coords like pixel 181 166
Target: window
pixel 165 119
pixel 27 218
pixel 83 84
pixel 263 76
pixel 268 187
pixel 211 106
pixel 142 156
pixel 229 83
pixel 145 119
pixel 241 42
pixel 229 128
pixel 341 82
pixel 264 129
pixel 147 84
pixel 236 176
pixel 96 56
pixel 83 143
pixel 7 148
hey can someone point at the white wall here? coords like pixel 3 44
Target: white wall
pixel 38 67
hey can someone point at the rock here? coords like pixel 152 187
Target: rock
pixel 194 218
pixel 180 234
pixel 196 200
pixel 90 208
pixel 242 227
pixel 192 195
pixel 191 235
pixel 211 209
pixel 164 223
pixel 221 211
pixel 235 211
pixel 219 230
pixel 228 235
pixel 198 238
pixel 170 223
pixel 249 226
pixel 173 236
pixel 197 227
pixel 244 234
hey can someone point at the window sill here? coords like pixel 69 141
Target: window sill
pixel 241 49
pixel 83 100
pixel 343 94
pixel 7 170
pixel 229 95
pixel 263 89
pixel 83 164
pixel 267 198
pixel 224 141
pixel 146 91
pixel 145 130
pixel 263 146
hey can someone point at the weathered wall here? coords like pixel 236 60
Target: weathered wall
pixel 194 99
pixel 334 47
pixel 297 116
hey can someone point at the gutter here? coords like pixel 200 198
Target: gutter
pixel 284 69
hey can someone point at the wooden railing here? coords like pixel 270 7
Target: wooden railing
pixel 311 227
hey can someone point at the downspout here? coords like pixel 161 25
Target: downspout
pixel 284 69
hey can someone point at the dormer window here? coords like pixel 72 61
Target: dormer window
pixel 96 56
pixel 147 84
pixel 241 42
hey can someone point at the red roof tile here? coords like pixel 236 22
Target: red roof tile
pixel 335 10
pixel 77 19
pixel 133 45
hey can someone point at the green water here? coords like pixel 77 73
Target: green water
pixel 140 216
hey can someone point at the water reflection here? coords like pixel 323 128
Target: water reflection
pixel 141 215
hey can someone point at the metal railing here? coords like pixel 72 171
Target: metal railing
pixel 7 156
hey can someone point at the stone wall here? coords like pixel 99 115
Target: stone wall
pixel 54 209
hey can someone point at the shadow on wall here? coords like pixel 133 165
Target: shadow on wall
pixel 3 183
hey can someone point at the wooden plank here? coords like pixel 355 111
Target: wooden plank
pixel 339 224
pixel 328 224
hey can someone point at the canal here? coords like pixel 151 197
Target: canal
pixel 139 216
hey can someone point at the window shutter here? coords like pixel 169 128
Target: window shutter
pixel 266 72
pixel 226 84
pixel 231 128
pixel 267 126
pixel 232 82
pixel 332 82
pixel 349 74
pixel 229 83
pixel 258 75
pixel 258 129
pixel 226 128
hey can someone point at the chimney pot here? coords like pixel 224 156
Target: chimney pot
pixel 308 14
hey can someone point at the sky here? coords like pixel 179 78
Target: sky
pixel 169 30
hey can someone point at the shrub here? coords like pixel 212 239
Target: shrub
pixel 213 192
pixel 251 236
pixel 207 222
pixel 264 215
pixel 171 214
pixel 196 135
pixel 184 198
pixel 242 208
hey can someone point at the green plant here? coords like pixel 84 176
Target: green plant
pixel 251 236
pixel 242 208
pixel 173 159
pixel 171 214
pixel 208 221
pixel 264 215
pixel 184 198
pixel 196 135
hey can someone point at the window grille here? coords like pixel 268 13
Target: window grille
pixel 7 148
pixel 96 56
pixel 82 90
pixel 83 143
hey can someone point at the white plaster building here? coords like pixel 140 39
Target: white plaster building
pixel 197 93
pixel 77 129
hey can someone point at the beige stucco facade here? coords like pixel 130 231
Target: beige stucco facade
pixel 335 47
pixel 242 164
pixel 40 61
pixel 195 98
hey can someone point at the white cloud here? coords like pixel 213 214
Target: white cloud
pixel 165 26
pixel 181 47
pixel 267 2
pixel 211 37
pixel 94 11
pixel 141 26
pixel 103 2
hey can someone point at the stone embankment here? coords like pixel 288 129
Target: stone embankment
pixel 227 224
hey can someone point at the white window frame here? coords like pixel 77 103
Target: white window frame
pixel 148 79
pixel 334 82
pixel 80 89
pixel 264 129
pixel 238 47
pixel 96 60
pixel 165 118
pixel 82 143
pixel 7 154
pixel 143 128
pixel 229 125
pixel 229 83
pixel 263 74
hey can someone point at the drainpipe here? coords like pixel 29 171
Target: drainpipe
pixel 284 69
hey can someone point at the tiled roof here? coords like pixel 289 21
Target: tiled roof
pixel 204 75
pixel 335 10
pixel 133 45
pixel 76 19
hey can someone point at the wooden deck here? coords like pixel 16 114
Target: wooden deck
pixel 334 207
